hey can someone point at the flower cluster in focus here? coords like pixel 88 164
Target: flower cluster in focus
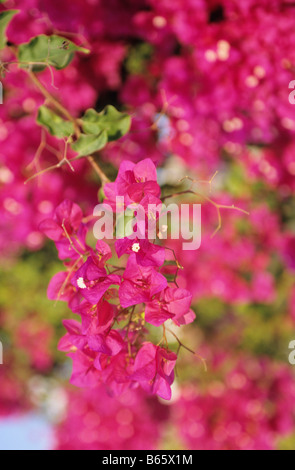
pixel 115 303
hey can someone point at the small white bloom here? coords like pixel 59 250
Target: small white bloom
pixel 136 247
pixel 81 284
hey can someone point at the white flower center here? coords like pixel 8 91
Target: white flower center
pixel 136 247
pixel 81 284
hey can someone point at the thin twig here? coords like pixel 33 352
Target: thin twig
pixel 104 179
pixel 54 101
pixel 181 345
pixel 215 204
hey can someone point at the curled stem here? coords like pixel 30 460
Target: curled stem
pixel 181 345
pixel 215 204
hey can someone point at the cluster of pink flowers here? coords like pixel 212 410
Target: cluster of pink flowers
pixel 208 110
pixel 247 406
pixel 251 409
pixel 103 347
pixel 96 421
pixel 224 71
pixel 244 274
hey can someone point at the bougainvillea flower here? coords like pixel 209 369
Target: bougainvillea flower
pixel 172 304
pixel 134 182
pixel 139 284
pixel 93 281
pixel 154 370
pixel 73 338
pixel 115 371
pixel 138 191
pixel 66 230
pixel 60 288
pixel 109 343
pixel 84 373
pixel 147 254
pixel 99 334
pixel 99 318
pixel 67 216
pixel 103 252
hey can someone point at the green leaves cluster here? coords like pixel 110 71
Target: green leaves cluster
pixel 98 128
pixel 56 51
pixel 110 120
pixel 54 124
pixel 101 128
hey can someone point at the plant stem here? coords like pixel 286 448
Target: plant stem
pixel 104 179
pixel 54 101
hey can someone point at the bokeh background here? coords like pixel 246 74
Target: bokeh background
pixel 207 85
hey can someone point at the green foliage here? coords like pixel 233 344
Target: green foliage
pixel 99 129
pixel 287 443
pixel 138 58
pixel 54 123
pixel 115 123
pixel 5 18
pixel 89 144
pixel 30 277
pixel 235 180
pixel 55 51
pixel 210 312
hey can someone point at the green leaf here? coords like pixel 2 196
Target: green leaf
pixel 115 123
pixel 5 18
pixel 88 144
pixel 50 50
pixel 54 123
